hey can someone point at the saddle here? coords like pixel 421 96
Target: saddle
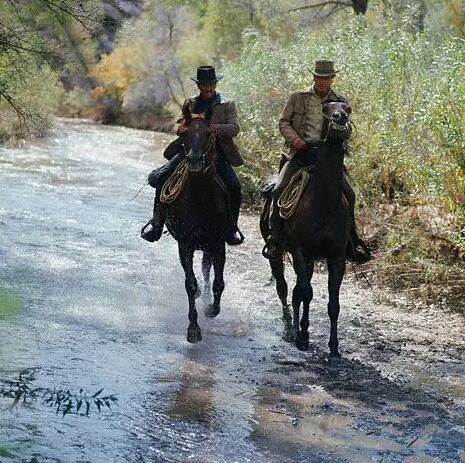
pixel 290 197
pixel 292 193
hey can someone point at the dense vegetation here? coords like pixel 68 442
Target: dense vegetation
pixel 402 66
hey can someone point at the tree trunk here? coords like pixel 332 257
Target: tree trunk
pixel 360 6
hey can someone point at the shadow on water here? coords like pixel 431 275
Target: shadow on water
pixel 295 409
pixel 353 413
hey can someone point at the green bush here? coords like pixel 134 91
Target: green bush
pixel 408 97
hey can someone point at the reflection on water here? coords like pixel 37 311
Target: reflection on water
pixel 194 399
pixel 10 303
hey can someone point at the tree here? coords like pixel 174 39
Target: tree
pixel 32 37
pixel 359 6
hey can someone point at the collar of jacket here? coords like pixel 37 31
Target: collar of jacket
pixel 218 98
pixel 331 93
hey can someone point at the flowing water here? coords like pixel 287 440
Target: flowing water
pixel 85 303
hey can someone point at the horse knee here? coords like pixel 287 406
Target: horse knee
pixel 218 286
pixel 191 286
pixel 333 310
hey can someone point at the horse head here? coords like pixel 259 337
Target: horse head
pixel 337 125
pixel 199 139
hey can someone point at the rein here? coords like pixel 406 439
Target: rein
pixel 176 181
pixel 291 195
pixel 212 137
pixel 331 125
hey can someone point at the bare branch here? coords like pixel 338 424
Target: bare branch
pixel 9 46
pixel 339 3
pixel 173 95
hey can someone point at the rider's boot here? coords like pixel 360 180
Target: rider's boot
pixel 273 248
pixel 357 252
pixel 234 236
pixel 153 229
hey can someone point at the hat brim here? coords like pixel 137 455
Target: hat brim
pixel 325 74
pixel 218 78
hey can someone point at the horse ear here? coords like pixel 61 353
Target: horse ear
pixel 347 108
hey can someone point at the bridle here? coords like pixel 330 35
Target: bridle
pixel 332 125
pixel 211 145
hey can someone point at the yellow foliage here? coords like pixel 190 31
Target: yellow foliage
pixel 116 71
pixel 456 13
pixel 98 91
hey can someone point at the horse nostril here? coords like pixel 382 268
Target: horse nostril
pixel 336 116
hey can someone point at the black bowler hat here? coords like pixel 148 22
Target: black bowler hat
pixel 206 75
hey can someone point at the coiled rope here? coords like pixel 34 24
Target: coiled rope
pixel 175 183
pixel 291 195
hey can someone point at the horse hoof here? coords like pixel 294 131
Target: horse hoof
pixel 302 341
pixel 194 334
pixel 212 310
pixel 289 335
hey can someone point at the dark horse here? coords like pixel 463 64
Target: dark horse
pixel 199 218
pixel 318 229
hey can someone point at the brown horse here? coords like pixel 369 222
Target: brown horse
pixel 318 229
pixel 199 219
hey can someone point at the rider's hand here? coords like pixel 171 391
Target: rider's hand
pixel 298 143
pixel 181 127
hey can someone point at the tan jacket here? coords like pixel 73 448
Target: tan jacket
pixel 292 121
pixel 225 121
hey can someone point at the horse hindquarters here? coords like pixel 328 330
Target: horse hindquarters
pixel 277 270
pixel 302 294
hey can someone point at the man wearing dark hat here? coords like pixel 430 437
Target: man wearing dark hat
pixel 301 125
pixel 225 122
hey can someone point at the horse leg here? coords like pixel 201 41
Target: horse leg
pixel 277 270
pixel 336 268
pixel 218 258
pixel 303 293
pixel 186 256
pixel 206 267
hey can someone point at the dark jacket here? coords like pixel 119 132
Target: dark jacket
pixel 224 120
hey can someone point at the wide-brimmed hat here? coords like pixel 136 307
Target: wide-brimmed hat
pixel 324 68
pixel 206 75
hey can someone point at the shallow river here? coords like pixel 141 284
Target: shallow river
pixel 85 303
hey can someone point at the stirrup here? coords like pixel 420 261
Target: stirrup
pixel 153 234
pixel 359 253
